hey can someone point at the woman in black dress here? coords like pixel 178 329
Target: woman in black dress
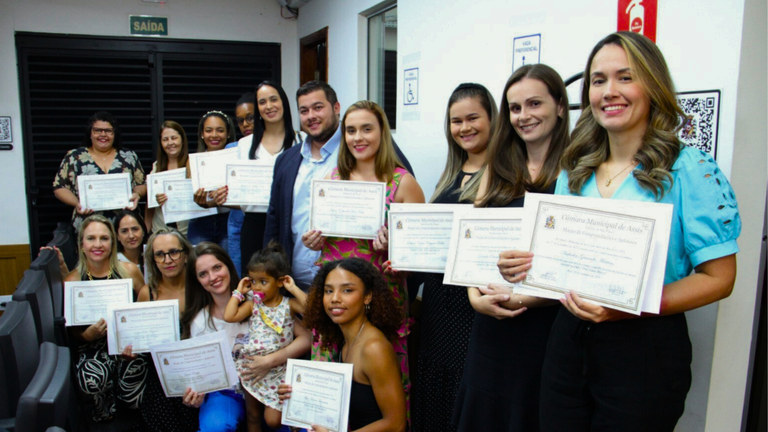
pixel 447 315
pixel 499 390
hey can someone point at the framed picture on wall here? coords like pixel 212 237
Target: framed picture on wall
pixel 6 135
pixel 702 118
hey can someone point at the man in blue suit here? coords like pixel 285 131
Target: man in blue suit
pixel 295 168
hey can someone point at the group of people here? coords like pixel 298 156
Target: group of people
pixel 489 358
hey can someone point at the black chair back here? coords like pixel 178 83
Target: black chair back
pixel 19 354
pixel 45 401
pixel 34 289
pixel 48 261
pixel 65 239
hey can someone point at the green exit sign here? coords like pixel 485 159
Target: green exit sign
pixel 148 25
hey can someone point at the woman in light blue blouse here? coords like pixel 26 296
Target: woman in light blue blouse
pixel 603 369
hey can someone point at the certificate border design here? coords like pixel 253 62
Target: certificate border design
pixel 296 370
pixel 453 280
pixel 382 194
pixel 162 177
pixel 169 352
pixel 139 350
pixel 111 286
pixel 637 304
pixel 440 269
pixel 263 167
pixel 84 181
pixel 172 212
pixel 194 160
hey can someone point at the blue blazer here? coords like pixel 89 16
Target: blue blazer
pixel 280 211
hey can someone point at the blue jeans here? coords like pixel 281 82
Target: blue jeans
pixel 234 225
pixel 210 228
pixel 222 411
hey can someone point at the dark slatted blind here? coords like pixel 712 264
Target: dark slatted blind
pixel 141 81
pixel 390 87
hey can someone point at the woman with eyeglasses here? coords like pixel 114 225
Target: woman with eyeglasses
pixel 102 153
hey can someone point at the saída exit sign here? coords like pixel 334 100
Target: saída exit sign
pixel 148 25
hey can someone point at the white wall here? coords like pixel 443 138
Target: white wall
pixel 238 20
pixel 454 42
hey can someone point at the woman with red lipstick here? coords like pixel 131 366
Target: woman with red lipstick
pixel 131 234
pixel 100 375
pixel 446 316
pixel 499 389
pixel 172 153
pixel 366 153
pixel 350 306
pixel 102 153
pixel 609 370
pixel 214 132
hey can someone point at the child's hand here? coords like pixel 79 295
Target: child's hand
pixel 245 285
pixel 289 284
pixel 284 392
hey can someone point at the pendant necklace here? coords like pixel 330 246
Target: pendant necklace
pixel 608 182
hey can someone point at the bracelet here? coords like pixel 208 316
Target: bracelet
pixel 238 295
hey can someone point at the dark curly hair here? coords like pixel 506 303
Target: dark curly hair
pixel 104 116
pixel 384 313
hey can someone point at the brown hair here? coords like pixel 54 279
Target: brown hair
pixel 162 157
pixel 507 156
pixel 386 158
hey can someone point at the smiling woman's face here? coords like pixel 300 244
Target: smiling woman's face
pixel 212 274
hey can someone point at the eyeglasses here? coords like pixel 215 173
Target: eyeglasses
pixel 249 118
pixel 174 254
pixel 99 131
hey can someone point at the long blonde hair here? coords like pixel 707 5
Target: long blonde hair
pixel 82 261
pixel 457 155
pixel 660 148
pixel 386 158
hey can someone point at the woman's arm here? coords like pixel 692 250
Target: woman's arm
pixel 67 197
pixel 259 366
pixel 712 281
pixel 380 366
pixel 409 191
pixel 149 214
pixel 143 294
pixel 135 274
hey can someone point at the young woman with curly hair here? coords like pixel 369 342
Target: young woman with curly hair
pixel 351 307
pixel 605 369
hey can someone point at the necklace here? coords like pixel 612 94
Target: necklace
pixel 608 183
pixel 355 340
pixel 88 273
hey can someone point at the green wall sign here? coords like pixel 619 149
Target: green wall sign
pixel 148 25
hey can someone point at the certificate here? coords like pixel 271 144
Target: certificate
pixel 181 203
pixel 249 182
pixel 319 394
pixel 350 209
pixel 142 325
pixel 203 363
pixel 602 249
pixel 208 168
pixel 420 235
pixel 155 183
pixel 86 302
pixel 478 236
pixel 104 191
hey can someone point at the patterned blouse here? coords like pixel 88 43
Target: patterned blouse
pixel 79 161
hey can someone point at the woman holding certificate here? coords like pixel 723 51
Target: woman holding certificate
pixel 500 386
pixel 172 153
pixel 214 132
pixel 366 154
pixel 350 306
pixel 606 369
pixel 100 375
pixel 102 153
pixel 447 316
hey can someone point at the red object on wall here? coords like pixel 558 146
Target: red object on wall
pixel 638 16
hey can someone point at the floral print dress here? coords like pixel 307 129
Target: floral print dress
pixel 79 162
pixel 338 248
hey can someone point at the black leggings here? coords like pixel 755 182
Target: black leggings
pixel 629 375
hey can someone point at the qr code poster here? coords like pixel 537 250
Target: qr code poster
pixel 5 130
pixel 702 116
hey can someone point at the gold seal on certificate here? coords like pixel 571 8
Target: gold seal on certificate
pixel 203 363
pixel 249 183
pixel 420 235
pixel 181 202
pixel 351 209
pixel 86 302
pixel 610 252
pixel 320 394
pixel 155 184
pixel 142 325
pixel 478 236
pixel 104 191
pixel 207 168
